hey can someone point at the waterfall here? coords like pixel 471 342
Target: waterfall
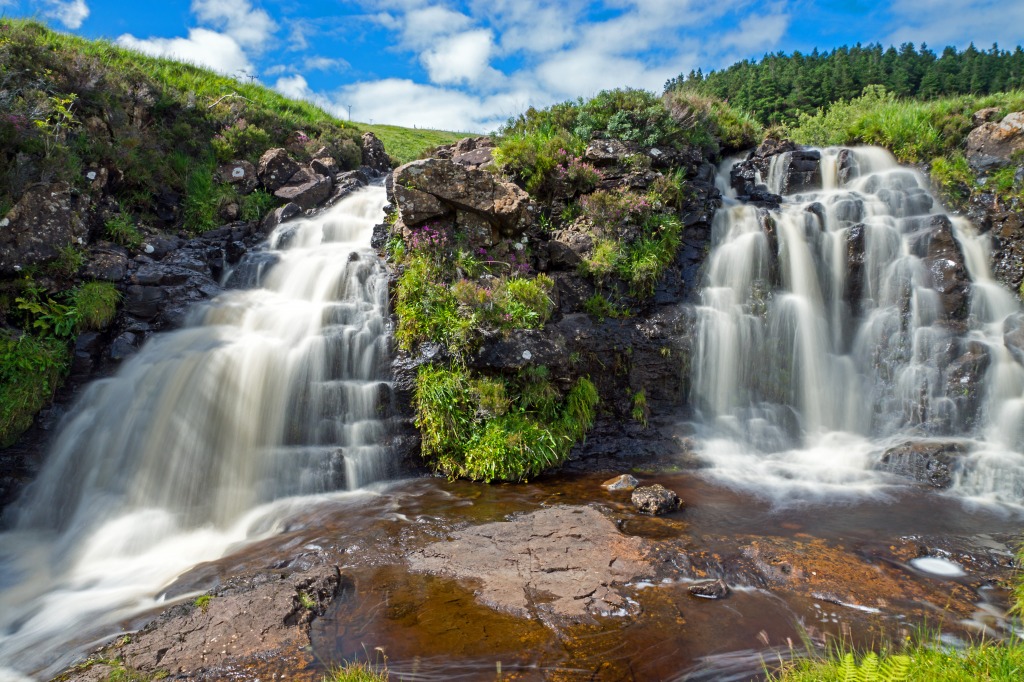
pixel 852 318
pixel 205 439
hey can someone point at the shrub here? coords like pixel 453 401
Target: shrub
pixel 475 430
pixel 201 199
pixel 256 205
pixel 954 179
pixel 120 229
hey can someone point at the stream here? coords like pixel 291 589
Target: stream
pixel 252 438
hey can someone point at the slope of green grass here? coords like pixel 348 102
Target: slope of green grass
pixel 408 144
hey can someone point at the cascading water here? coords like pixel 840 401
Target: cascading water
pixel 847 320
pixel 204 440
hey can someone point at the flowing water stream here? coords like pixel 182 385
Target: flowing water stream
pixel 829 330
pixel 823 340
pixel 204 440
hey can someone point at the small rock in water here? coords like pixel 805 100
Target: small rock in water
pixel 655 499
pixel 710 589
pixel 937 566
pixel 623 482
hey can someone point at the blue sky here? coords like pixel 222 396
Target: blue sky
pixel 468 65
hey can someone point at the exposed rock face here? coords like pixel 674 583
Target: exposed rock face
pixel 374 155
pixel 574 555
pixel 655 500
pixel 797 169
pixel 276 168
pixel 46 219
pixel 925 462
pixel 306 189
pixel 474 152
pixel 279 215
pixel 242 174
pixel 991 145
pixel 485 207
pixel 945 262
pixel 258 621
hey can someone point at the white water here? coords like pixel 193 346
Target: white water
pixel 802 381
pixel 202 441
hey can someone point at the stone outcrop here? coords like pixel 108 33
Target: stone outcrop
pixel 276 168
pixel 46 219
pixel 927 462
pixel 797 170
pixel 475 200
pixel 374 155
pixel 305 189
pixel 992 145
pixel 574 555
pixel 945 263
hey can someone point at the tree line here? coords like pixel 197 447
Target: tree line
pixel 780 87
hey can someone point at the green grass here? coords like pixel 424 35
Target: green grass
pixel 408 144
pixel 31 369
pixel 95 303
pixel 120 229
pixel 359 672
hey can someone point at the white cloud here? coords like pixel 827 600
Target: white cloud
pixel 421 27
pixel 249 27
pixel 202 46
pixel 317 63
pixel 462 58
pixel 70 13
pixel 956 22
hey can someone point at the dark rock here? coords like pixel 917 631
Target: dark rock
pixel 847 167
pixel 520 349
pixel 710 589
pixel 945 263
pixel 965 384
pixel 991 145
pixel 46 219
pixel 606 152
pixel 107 262
pixel 478 158
pixel 471 144
pixel 144 302
pixel 374 155
pixel 276 168
pixel 241 174
pixel 925 462
pixel 280 215
pixel 1013 336
pixel 480 232
pixel 568 248
pixel 346 183
pixel 305 189
pixel 623 482
pixel 655 500
pixel 326 166
pixel 124 346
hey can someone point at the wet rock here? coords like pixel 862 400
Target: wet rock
pixel 46 219
pixel 991 145
pixel 574 556
pixel 965 384
pixel 144 302
pixel 655 500
pixel 306 189
pixel 124 346
pixel 1006 228
pixel 945 263
pixel 711 589
pixel 623 482
pixel 926 462
pixel 1013 336
pixel 346 183
pixel 259 621
pixel 280 215
pixel 325 166
pixel 847 167
pixel 374 155
pixel 276 168
pixel 520 349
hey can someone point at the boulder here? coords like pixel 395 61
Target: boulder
pixel 305 189
pixel 345 184
pixel 276 168
pixel 655 500
pixel 478 158
pixel 606 152
pixel 241 174
pixel 991 145
pixel 709 589
pixel 280 215
pixel 46 219
pixel 984 115
pixel 925 462
pixel 417 207
pixel 945 263
pixel 567 248
pixel 374 155
pixel 107 262
pixel 478 191
pixel 623 482
pixel 325 165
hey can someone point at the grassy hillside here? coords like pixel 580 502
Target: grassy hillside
pixel 408 144
pixel 155 130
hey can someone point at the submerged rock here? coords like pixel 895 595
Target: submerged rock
pixel 931 463
pixel 655 500
pixel 711 589
pixel 623 482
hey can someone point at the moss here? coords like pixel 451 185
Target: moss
pixel 499 429
pixel 96 304
pixel 31 369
